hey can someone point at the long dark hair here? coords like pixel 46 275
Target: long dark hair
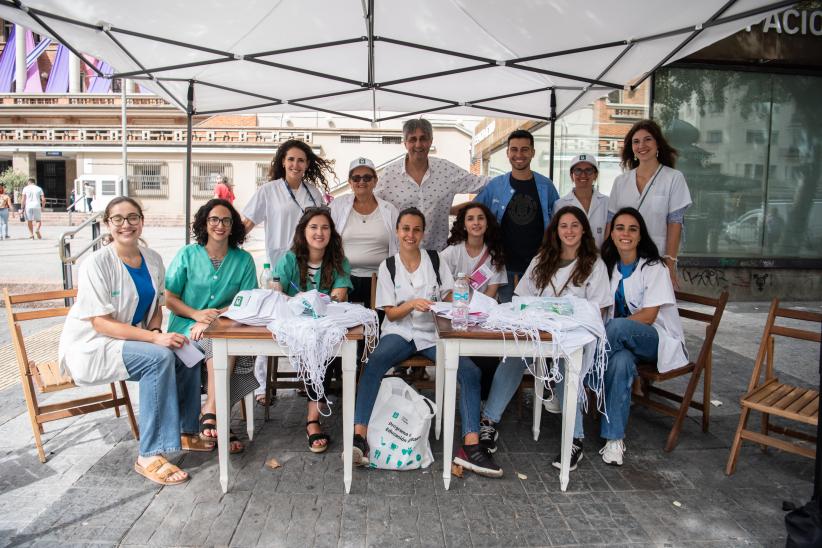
pixel 316 172
pixel 550 251
pixel 332 258
pixel 199 228
pixel 492 237
pixel 667 154
pixel 646 249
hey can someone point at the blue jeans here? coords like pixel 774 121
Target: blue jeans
pixel 169 396
pixel 506 293
pixel 630 341
pixel 4 222
pixel 391 350
pixel 506 381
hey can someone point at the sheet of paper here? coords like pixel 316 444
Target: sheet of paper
pixel 189 354
pixel 441 308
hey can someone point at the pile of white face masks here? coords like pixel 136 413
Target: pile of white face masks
pixel 583 327
pixel 312 342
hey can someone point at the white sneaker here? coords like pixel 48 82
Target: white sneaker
pixel 612 452
pixel 553 405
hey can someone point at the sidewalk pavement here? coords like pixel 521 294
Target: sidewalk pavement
pixel 87 492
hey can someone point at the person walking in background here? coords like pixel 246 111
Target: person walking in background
pixel 5 207
pixel 584 173
pixel 653 187
pixel 522 201
pixel 427 183
pixel 366 224
pixel 297 180
pixel 34 200
pixel 224 189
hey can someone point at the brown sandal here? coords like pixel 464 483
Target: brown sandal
pixel 193 442
pixel 159 471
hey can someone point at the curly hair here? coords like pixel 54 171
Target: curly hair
pixel 550 251
pixel 332 258
pixel 492 237
pixel 667 154
pixel 646 248
pixel 199 227
pixel 318 168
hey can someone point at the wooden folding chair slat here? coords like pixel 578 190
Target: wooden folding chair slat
pixel 701 366
pixel 771 398
pixel 45 376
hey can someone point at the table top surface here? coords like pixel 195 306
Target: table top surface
pixel 445 331
pixel 223 328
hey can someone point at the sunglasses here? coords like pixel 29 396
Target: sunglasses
pixel 585 171
pixel 363 178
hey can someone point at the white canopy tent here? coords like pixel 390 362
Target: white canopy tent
pixel 377 60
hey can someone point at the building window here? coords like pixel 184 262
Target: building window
pixel 714 137
pixel 350 139
pixel 148 179
pixel 205 175
pixel 391 140
pixel 755 137
pixel 262 173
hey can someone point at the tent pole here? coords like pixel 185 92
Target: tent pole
pixel 124 134
pixel 189 138
pixel 551 143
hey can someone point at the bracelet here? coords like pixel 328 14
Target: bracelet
pixel 157 329
pixel 674 259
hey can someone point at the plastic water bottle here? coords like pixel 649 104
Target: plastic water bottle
pixel 266 277
pixel 461 297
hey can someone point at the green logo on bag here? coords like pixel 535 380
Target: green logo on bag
pixel 395 415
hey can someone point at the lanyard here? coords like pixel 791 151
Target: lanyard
pixel 310 197
pixel 647 188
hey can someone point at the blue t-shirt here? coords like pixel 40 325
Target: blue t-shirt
pixel 621 310
pixel 145 290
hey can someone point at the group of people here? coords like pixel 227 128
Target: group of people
pixel 516 237
pixel 32 204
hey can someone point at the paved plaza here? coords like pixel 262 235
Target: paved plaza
pixel 88 494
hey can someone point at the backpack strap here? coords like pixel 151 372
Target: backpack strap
pixel 391 265
pixel 392 268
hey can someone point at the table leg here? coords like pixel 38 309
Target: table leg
pixel 539 389
pixel 439 381
pixel 221 382
pixel 569 414
pixel 249 415
pixel 349 368
pixel 452 353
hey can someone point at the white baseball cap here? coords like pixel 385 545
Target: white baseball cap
pixel 361 162
pixel 587 158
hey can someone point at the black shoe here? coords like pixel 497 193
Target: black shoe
pixel 477 459
pixel 360 451
pixel 576 455
pixel 488 435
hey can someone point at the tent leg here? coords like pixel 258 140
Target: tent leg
pixel 551 142
pixel 189 138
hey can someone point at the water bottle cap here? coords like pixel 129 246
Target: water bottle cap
pixel 266 265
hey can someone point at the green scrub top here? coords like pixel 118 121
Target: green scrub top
pixel 193 278
pixel 289 274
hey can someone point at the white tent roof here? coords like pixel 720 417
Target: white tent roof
pixel 386 57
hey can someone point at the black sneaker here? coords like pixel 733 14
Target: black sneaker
pixel 360 451
pixel 576 456
pixel 488 435
pixel 477 459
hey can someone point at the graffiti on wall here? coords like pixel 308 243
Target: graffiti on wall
pixel 751 280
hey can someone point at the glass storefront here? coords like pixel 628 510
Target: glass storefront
pixel 750 147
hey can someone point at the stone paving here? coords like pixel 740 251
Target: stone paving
pixel 87 493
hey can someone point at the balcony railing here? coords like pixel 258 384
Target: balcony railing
pixel 155 135
pixel 82 100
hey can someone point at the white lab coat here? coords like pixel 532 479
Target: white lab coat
pixel 105 287
pixel 596 289
pixel 272 204
pixel 669 193
pixel 651 286
pixel 418 326
pixel 597 215
pixel 341 211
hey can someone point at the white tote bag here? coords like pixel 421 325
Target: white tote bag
pixel 399 427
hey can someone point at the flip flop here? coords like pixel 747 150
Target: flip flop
pixel 193 442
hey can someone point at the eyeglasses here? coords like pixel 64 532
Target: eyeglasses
pixel 583 171
pixel 132 218
pixel 226 221
pixel 363 178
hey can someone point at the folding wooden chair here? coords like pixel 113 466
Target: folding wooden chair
pixel 771 397
pixel 45 377
pixel 649 375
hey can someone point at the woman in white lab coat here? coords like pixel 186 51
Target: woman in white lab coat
pixel 653 187
pixel 113 333
pixel 584 173
pixel 644 322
